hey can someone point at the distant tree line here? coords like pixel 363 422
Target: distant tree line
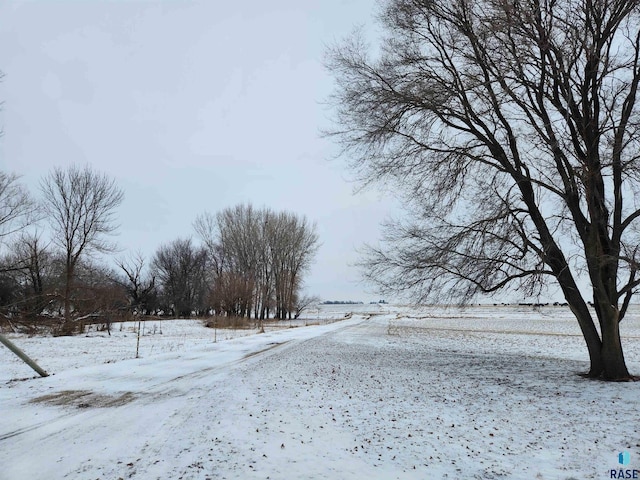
pixel 247 262
pixel 341 302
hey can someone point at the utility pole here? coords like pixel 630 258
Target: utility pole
pixel 23 356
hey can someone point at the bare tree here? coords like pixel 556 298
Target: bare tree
pixel 140 287
pixel 292 243
pixel 80 205
pixel 266 282
pixel 180 270
pixel 239 237
pixel 511 128
pixel 37 272
pixel 206 227
pixel 303 302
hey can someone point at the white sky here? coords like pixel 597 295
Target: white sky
pixel 191 106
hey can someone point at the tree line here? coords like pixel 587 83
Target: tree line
pixel 245 262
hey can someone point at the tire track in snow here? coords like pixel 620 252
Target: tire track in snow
pixel 149 394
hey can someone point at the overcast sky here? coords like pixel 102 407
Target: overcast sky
pixel 191 106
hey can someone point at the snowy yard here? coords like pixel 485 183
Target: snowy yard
pixel 485 393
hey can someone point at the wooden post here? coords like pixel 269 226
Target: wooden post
pixel 23 356
pixel 138 341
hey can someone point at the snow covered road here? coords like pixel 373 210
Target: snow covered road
pixel 379 398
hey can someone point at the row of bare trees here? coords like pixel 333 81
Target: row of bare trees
pixel 249 261
pixel 257 259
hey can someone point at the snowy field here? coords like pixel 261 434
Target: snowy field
pixel 390 392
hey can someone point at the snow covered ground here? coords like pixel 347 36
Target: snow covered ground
pixel 392 392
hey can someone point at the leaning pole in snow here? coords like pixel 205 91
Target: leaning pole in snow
pixel 23 356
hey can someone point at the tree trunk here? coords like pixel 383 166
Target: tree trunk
pixel 589 332
pixel 614 366
pixel 67 297
pixel 67 326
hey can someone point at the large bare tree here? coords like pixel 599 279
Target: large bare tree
pixel 511 127
pixel 80 204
